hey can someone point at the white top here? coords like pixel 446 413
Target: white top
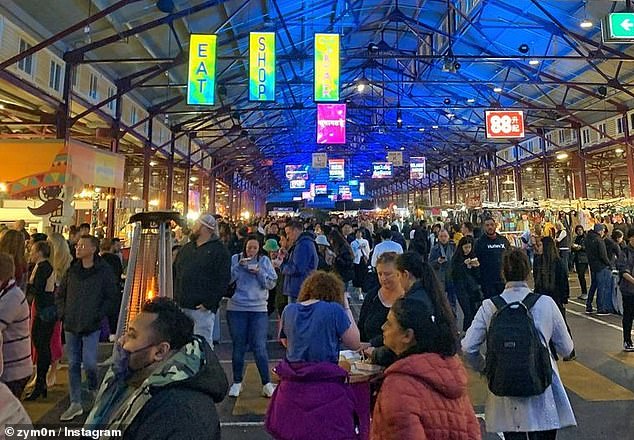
pixel 549 410
pixel 361 248
pixel 383 247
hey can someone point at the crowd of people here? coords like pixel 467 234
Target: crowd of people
pixel 427 294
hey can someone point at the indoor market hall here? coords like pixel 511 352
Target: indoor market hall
pixel 316 220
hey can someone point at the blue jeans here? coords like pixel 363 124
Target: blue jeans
pixel 249 328
pixel 203 323
pixel 81 349
pixel 602 285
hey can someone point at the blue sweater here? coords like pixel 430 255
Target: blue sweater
pixel 252 289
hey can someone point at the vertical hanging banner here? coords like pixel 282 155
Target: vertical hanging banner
pixel 326 67
pixel 331 123
pixel 417 168
pixel 201 82
pixel 262 66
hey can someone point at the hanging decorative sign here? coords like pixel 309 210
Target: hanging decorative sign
pixel 336 169
pixel 320 160
pixel 417 168
pixel 396 157
pixel 331 123
pixel 201 83
pixel 326 67
pixel 381 170
pixel 504 124
pixel 262 66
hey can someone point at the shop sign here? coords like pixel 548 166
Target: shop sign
pixel 417 168
pixel 504 124
pixel 262 66
pixel 331 123
pixel 396 157
pixel 336 169
pixel 381 170
pixel 326 67
pixel 320 160
pixel 201 82
pixel 618 27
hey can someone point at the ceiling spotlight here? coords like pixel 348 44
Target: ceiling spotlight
pixel 603 91
pixel 497 89
pixel 523 48
pixel 533 62
pixel 586 24
pixel 471 100
pixel 450 115
pixel 562 156
pixel 421 129
pixel 447 101
pixel 435 127
pixel 362 84
pixel 399 119
pixel 619 151
pixel 373 47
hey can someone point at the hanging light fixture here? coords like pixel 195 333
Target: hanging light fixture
pixel 586 23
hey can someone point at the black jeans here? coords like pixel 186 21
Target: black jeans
pixel 535 435
pixel 628 317
pixel 41 334
pixel 582 269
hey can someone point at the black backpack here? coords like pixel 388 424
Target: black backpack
pixel 517 363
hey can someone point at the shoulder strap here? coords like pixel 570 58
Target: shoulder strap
pixel 530 300
pixel 498 302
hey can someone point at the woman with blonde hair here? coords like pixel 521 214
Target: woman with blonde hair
pixel 61 260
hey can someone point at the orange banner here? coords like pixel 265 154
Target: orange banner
pixel 21 158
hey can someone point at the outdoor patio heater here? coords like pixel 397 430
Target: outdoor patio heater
pixel 149 271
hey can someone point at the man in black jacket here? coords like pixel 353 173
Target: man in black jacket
pixel 202 272
pixel 489 250
pixel 164 382
pixel 87 294
pixel 600 270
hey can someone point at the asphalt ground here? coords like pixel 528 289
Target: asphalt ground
pixel 600 383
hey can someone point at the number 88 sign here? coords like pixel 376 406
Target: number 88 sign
pixel 504 124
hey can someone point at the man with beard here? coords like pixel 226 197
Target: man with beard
pixel 202 271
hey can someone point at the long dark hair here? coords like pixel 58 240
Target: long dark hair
pixel 432 330
pixel 445 340
pixel 247 239
pixel 339 243
pixel 468 239
pixel 545 273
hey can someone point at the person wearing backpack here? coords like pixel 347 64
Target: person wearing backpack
pixel 526 396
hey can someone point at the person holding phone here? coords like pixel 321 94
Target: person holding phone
pixel 247 312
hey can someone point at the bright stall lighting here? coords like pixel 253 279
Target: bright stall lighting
pixel 617 151
pixel 154 202
pixel 153 163
pixel 193 178
pixel 193 215
pixel 562 156
pixel 246 215
pixel 3 187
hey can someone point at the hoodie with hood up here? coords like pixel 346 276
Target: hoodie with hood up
pixel 424 396
pixel 176 402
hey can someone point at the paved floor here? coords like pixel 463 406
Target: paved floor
pixel 600 383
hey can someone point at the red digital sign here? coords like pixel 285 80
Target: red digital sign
pixel 504 124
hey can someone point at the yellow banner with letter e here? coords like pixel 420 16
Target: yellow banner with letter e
pixel 201 83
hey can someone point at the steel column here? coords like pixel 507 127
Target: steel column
pixel 546 167
pixel 629 152
pixel 580 182
pixel 170 174
pixel 188 168
pixel 147 156
pixel 114 147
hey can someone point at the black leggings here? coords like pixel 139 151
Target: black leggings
pixel 628 317
pixel 582 269
pixel 535 435
pixel 41 334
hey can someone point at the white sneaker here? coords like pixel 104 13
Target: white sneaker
pixel 73 411
pixel 268 389
pixel 361 297
pixel 235 389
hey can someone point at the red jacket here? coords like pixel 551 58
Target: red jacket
pixel 424 396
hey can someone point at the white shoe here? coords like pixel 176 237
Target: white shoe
pixel 268 389
pixel 73 411
pixel 112 338
pixel 235 389
pixel 361 297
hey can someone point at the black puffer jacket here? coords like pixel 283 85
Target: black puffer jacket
pixel 202 274
pixel 86 296
pixel 596 251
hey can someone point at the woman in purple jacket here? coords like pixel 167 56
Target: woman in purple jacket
pixel 313 388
